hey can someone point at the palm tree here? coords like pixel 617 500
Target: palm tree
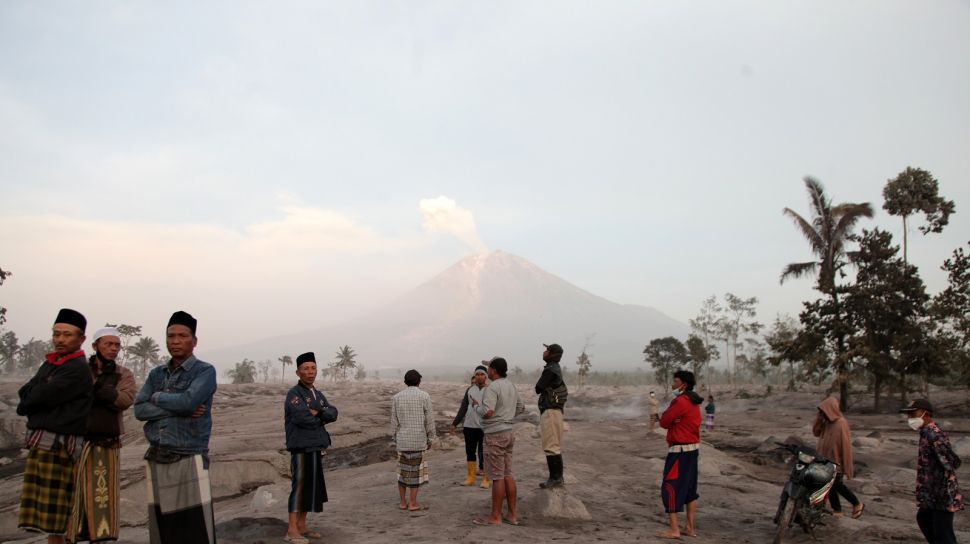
pixel 827 233
pixel 346 360
pixel 285 360
pixel 145 352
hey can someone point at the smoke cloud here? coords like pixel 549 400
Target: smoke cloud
pixel 443 214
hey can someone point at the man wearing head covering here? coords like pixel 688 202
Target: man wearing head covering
pixel 412 426
pixel 499 406
pixel 176 405
pixel 552 393
pixel 472 426
pixel 56 402
pixel 938 494
pixel 306 413
pixel 97 492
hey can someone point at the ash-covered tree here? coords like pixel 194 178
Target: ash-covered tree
pixel 827 231
pixel 144 354
pixel 128 334
pixel 243 372
pixel 284 360
pixel 783 347
pixel 583 365
pixel 913 191
pixel 666 355
pixel 707 326
pixel 31 355
pixel 345 362
pixel 361 373
pixel 950 310
pixel 738 320
pixel 263 368
pixel 886 308
pixel 9 346
pixel 699 356
pixel 4 274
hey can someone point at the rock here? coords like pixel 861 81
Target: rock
pixel 247 529
pixel 269 498
pixel 4 461
pixel 556 503
pixel 768 445
pixel 866 442
pixel 875 434
pixel 870 490
pixel 962 447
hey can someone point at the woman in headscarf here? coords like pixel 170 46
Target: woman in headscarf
pixel 835 442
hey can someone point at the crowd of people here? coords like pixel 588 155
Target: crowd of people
pixel 74 406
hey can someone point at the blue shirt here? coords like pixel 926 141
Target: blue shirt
pixel 168 399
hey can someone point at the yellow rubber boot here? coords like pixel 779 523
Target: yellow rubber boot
pixel 486 483
pixel 470 479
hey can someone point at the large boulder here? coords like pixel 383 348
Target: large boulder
pixel 962 448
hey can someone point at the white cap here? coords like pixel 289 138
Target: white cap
pixel 106 331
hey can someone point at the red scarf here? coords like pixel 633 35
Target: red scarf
pixel 58 360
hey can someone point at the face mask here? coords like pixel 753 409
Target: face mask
pixel 915 423
pixel 678 393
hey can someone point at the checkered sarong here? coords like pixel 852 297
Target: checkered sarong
pixel 412 469
pixel 45 499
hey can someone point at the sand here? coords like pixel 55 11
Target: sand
pixel 613 464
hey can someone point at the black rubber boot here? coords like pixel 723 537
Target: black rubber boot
pixel 555 472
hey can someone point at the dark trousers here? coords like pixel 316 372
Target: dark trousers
pixel 474 443
pixel 937 526
pixel 840 489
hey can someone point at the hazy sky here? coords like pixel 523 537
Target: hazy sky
pixel 275 167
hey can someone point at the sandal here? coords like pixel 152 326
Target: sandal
pixel 857 512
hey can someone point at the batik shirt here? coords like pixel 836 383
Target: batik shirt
pixel 936 478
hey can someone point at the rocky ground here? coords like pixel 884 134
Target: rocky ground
pixel 613 465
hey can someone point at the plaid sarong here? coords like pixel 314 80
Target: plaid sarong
pixel 45 499
pixel 180 502
pixel 94 513
pixel 309 489
pixel 412 469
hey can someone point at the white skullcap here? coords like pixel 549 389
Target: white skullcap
pixel 106 331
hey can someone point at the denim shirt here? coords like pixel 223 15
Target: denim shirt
pixel 168 399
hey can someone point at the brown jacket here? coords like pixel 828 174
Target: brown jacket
pixel 834 440
pixel 114 392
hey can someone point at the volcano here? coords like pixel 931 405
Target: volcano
pixel 485 305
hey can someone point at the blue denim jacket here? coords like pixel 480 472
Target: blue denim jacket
pixel 168 399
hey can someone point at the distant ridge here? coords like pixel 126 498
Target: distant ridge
pixel 487 304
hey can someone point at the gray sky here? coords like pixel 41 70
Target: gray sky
pixel 278 167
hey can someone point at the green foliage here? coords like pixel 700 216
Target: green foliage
pixel 244 372
pixel 699 355
pixel 915 190
pixel 783 347
pixel 950 310
pixel 665 355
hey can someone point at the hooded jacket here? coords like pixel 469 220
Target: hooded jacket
pixel 834 440
pixel 682 419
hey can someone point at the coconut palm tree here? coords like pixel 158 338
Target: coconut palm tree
pixel 145 354
pixel 828 231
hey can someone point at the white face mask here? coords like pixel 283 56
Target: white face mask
pixel 678 393
pixel 915 423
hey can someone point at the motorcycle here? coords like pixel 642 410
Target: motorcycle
pixel 809 483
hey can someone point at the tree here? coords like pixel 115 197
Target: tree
pixel 128 333
pixel 886 307
pixel 32 354
pixel 738 320
pixel 915 190
pixel 783 346
pixel 950 310
pixel 144 355
pixel 699 356
pixel 4 274
pixel 361 374
pixel 244 372
pixel 827 233
pixel 9 346
pixel 583 364
pixel 665 355
pixel 707 326
pixel 264 367
pixel 284 360
pixel 345 362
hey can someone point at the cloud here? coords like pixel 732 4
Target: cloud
pixel 443 214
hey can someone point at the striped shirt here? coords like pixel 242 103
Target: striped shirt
pixel 412 420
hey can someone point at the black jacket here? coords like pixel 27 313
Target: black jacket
pixel 551 388
pixel 304 431
pixel 58 398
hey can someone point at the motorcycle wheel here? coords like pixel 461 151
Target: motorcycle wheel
pixel 786 521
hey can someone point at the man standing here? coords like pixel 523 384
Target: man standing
pixel 56 402
pixel 176 405
pixel 412 426
pixel 97 491
pixel 682 419
pixel 552 393
pixel 472 427
pixel 937 490
pixel 499 406
pixel 305 415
